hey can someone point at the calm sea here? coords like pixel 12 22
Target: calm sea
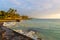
pixel 49 29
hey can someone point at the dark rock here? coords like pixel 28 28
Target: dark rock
pixel 39 39
pixel 8 34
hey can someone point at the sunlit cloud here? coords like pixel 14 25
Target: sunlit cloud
pixel 34 8
pixel 54 16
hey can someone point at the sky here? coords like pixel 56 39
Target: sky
pixel 34 8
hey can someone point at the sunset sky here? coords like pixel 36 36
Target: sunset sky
pixel 34 8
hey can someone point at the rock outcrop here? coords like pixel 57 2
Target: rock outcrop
pixel 8 34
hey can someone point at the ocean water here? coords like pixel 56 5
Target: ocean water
pixel 48 29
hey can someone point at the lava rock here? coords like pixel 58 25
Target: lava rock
pixel 9 34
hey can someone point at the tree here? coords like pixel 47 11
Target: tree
pixel 2 14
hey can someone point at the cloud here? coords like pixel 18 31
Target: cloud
pixel 56 1
pixel 54 16
pixel 40 3
pixel 45 7
pixel 16 2
pixel 35 8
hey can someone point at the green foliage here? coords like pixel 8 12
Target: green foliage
pixel 2 14
pixel 11 13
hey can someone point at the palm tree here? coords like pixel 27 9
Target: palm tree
pixel 2 14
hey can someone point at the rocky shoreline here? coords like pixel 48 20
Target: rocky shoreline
pixel 8 34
